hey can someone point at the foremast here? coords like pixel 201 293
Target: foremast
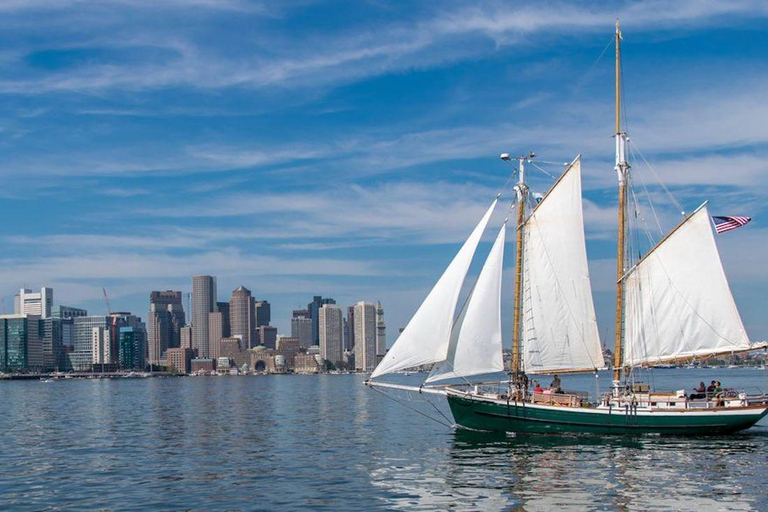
pixel 622 172
pixel 521 190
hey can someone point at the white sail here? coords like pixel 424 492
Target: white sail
pixel 475 347
pixel 426 337
pixel 559 330
pixel 678 303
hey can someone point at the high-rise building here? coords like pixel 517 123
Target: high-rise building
pixel 331 325
pixel 301 329
pixel 223 308
pixel 381 331
pixel 101 347
pixel 242 316
pixel 27 302
pixel 186 337
pixel 132 348
pixel 266 335
pixel 350 341
pixel 68 312
pixel 314 308
pixel 215 333
pixel 203 302
pixel 164 322
pixel 53 332
pixel 81 357
pixel 365 336
pixel 21 344
pixel 118 320
pixel 263 312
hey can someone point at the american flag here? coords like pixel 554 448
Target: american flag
pixel 723 224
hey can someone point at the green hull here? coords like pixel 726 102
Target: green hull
pixel 479 414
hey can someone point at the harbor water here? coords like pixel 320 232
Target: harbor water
pixel 327 442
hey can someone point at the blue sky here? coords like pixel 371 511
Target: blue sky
pixel 347 148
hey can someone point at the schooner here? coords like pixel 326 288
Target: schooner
pixel 672 304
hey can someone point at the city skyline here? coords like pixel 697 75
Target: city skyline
pixel 139 151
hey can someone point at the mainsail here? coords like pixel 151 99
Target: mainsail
pixel 678 303
pixel 559 328
pixel 475 347
pixel 426 337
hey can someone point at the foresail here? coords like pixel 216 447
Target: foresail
pixel 559 330
pixel 475 347
pixel 426 337
pixel 678 303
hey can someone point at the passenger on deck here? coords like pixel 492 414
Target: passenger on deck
pixel 718 394
pixel 538 388
pixel 555 386
pixel 700 392
pixel 711 389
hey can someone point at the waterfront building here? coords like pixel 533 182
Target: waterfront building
pixel 301 328
pixel 288 347
pixel 263 312
pixel 132 348
pixel 314 313
pixel 203 365
pixel 118 320
pixel 101 346
pixel 21 344
pixel 365 336
pixel 381 331
pixel 203 302
pixel 267 336
pixel 308 363
pixel 54 347
pixel 67 312
pixel 164 322
pixel 180 359
pixel 242 316
pixel 81 358
pixel 27 302
pixel 331 325
pixel 186 337
pixel 232 349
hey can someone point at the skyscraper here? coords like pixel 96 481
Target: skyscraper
pixel 381 331
pixel 330 322
pixel 223 308
pixel 350 341
pixel 242 316
pixel 215 333
pixel 301 327
pixel 266 335
pixel 82 356
pixel 21 345
pixel 314 308
pixel 263 312
pixel 203 302
pixel 39 304
pixel 132 348
pixel 365 336
pixel 164 322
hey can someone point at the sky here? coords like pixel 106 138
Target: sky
pixel 346 149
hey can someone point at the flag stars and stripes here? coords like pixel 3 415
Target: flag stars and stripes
pixel 723 224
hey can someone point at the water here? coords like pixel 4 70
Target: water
pixel 328 443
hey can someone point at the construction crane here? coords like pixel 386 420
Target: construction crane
pixel 106 299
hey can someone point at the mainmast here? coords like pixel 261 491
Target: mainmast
pixel 622 171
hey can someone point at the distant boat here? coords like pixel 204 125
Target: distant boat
pixel 673 305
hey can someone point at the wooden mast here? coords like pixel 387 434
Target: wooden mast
pixel 516 344
pixel 621 170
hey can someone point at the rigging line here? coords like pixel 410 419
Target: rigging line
pixel 595 63
pixel 658 179
pixel 542 170
pixel 644 225
pixel 650 203
pixel 439 411
pixel 451 426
